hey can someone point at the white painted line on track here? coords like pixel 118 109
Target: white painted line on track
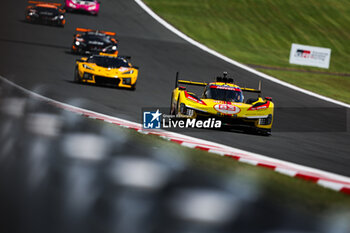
pixel 233 62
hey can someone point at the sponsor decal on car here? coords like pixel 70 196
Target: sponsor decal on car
pixel 227 109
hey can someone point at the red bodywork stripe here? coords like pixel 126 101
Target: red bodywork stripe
pixel 264 106
pixel 188 96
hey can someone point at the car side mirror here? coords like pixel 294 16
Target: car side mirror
pixel 268 98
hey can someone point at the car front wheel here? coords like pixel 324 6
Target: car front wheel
pixel 76 76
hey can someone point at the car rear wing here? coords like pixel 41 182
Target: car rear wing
pixel 192 83
pixel 245 89
pixel 91 30
pixel 48 3
pixel 252 90
pixel 177 82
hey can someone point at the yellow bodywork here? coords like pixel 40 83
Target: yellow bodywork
pixel 125 77
pixel 258 113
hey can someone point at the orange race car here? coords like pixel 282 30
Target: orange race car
pixel 89 41
pixel 45 13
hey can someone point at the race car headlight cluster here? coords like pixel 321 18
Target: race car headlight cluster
pixel 87 67
pixel 87 76
pixel 127 81
pixel 129 72
pixel 266 121
pixel 32 12
pixel 114 47
pixel 77 43
pixel 61 17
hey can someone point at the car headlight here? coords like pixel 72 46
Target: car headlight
pixel 114 47
pixel 77 43
pixel 129 72
pixel 87 67
pixel 54 18
pixel 61 17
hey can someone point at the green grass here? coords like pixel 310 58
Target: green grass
pixel 333 86
pixel 261 32
pixel 285 190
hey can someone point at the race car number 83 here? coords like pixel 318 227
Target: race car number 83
pixel 227 108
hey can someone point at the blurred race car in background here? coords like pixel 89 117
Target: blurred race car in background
pixel 224 100
pixel 88 41
pixel 90 6
pixel 106 69
pixel 45 13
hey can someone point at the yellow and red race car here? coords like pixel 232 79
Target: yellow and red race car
pixel 224 100
pixel 106 69
pixel 45 13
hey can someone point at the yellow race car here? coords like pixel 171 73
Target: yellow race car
pixel 106 69
pixel 224 101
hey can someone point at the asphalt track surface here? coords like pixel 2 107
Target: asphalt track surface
pixel 37 57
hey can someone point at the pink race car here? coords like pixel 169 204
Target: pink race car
pixel 91 6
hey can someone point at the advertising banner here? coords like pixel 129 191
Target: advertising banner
pixel 310 56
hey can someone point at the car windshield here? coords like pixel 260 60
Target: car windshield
pixel 108 62
pixel 47 10
pixel 95 36
pixel 223 93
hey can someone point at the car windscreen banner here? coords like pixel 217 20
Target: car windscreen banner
pixel 310 56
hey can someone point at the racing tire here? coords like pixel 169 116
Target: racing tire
pixel 177 106
pixel 172 111
pixel 76 76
